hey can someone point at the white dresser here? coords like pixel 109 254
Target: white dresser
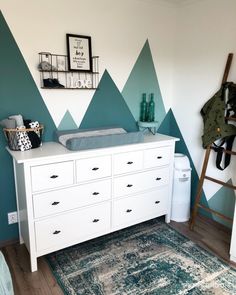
pixel 66 197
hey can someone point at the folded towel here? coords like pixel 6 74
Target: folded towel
pixel 18 119
pixel 23 140
pixel 8 123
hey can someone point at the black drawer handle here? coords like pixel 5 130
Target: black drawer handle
pixel 55 203
pixel 129 210
pixel 56 232
pixel 130 162
pixel 157 202
pixel 95 168
pixel 158 178
pixel 54 176
pixel 129 185
pixel 95 193
pixel 159 157
pixel 95 220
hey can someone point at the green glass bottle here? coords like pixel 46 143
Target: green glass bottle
pixel 143 108
pixel 151 109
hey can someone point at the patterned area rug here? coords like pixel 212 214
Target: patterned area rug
pixel 149 258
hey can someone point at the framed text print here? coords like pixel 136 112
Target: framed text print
pixel 79 53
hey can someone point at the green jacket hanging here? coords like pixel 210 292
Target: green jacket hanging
pixel 213 114
pixel 216 126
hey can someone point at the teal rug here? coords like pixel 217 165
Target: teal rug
pixel 149 258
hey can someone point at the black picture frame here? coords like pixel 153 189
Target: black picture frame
pixel 79 51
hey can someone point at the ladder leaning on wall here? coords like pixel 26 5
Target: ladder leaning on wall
pixel 205 164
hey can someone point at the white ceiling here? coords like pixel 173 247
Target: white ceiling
pixel 179 1
pixel 172 2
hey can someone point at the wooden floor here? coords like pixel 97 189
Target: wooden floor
pixel 208 234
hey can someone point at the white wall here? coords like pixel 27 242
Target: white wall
pixel 204 36
pixel 118 29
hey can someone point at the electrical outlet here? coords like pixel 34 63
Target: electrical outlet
pixel 12 217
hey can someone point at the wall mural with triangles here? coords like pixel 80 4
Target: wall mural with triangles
pixel 67 122
pixel 143 79
pixel 19 95
pixel 109 107
pixel 223 201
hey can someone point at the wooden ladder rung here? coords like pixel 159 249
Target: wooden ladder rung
pixel 220 182
pixel 215 212
pixel 224 151
pixel 230 118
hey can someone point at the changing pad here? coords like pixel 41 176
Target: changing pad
pixel 97 138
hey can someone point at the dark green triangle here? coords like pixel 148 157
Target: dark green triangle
pixel 170 127
pixel 143 79
pixel 223 201
pixel 19 95
pixel 67 122
pixel 108 108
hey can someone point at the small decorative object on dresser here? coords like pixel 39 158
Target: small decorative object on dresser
pixel 95 191
pixel 150 126
pixel 143 109
pixel 147 115
pixel 151 109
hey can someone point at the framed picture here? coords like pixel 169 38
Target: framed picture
pixel 79 53
pixel 61 62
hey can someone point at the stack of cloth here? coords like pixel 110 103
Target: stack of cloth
pixel 25 140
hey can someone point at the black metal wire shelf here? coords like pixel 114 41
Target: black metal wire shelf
pixel 57 70
pixel 71 72
pixel 70 88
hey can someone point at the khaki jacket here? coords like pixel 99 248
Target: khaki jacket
pixel 213 114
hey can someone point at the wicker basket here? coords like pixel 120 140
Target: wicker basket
pixel 13 134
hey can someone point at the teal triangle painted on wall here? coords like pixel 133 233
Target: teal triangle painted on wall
pixel 19 95
pixel 67 122
pixel 170 127
pixel 223 201
pixel 108 108
pixel 143 79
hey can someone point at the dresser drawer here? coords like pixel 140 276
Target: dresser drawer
pixel 157 157
pixel 76 226
pixel 128 162
pixel 128 211
pixel 52 176
pixel 71 198
pixel 92 168
pixel 138 182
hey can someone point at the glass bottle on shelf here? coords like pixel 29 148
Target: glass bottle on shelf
pixel 151 109
pixel 143 108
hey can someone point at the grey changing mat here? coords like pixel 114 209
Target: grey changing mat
pixel 97 138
